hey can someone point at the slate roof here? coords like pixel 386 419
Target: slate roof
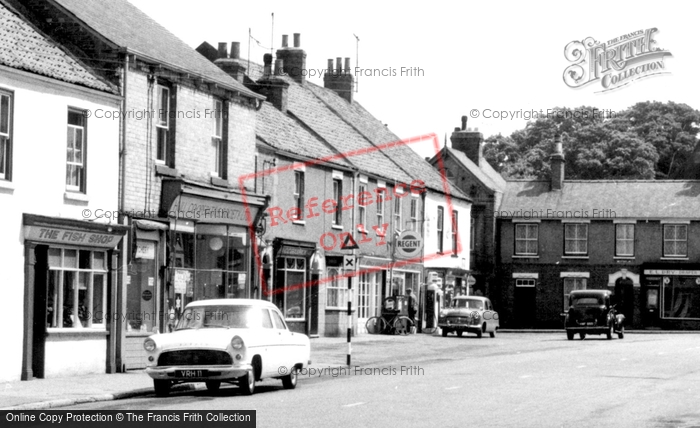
pixel 633 199
pixel 126 26
pixel 484 173
pixel 281 132
pixel 25 48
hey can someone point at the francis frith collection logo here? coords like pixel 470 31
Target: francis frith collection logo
pixel 615 63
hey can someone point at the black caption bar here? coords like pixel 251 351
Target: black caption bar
pixel 127 419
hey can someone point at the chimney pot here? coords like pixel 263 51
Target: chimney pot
pixel 338 65
pixel 557 165
pixel 235 50
pixel 267 63
pixel 330 65
pixel 457 129
pixel 285 40
pixel 223 50
pixel 297 40
pixel 279 67
pixel 347 65
pixel 464 123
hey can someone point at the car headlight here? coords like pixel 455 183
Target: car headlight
pixel 149 345
pixel 237 342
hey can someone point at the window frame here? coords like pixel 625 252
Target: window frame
pixel 526 239
pixel 413 214
pixel 398 207
pixel 220 138
pixel 624 240
pixel 284 272
pixel 165 124
pixel 6 145
pixel 455 226
pixel 336 288
pixel 440 228
pixel 675 226
pixel 337 219
pixel 361 209
pixel 82 165
pixel 298 195
pixel 576 239
pixel 380 205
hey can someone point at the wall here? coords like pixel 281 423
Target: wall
pixel 432 202
pixel 38 181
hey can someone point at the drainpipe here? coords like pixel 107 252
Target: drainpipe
pixel 120 334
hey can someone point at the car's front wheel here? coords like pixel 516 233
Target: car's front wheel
pixel 493 333
pixel 445 332
pixel 247 383
pixel 621 333
pixel 609 333
pixel 459 333
pixel 570 335
pixel 582 335
pixel 162 387
pixel 290 381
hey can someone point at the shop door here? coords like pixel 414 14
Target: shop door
pixel 624 293
pixel 41 268
pixel 525 305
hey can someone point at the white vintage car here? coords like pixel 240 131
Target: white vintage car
pixel 473 314
pixel 227 340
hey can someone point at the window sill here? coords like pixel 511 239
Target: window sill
pixel 676 258
pixel 575 257
pixel 82 332
pixel 299 222
pixel 338 227
pixel 525 257
pixel 7 186
pixel 76 197
pixel 165 170
pixel 219 182
pixel 623 258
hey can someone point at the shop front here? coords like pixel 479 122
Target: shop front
pixel 70 296
pixel 671 296
pixel 199 248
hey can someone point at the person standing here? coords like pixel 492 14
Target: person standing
pixel 412 306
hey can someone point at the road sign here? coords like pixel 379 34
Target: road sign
pixel 349 243
pixel 471 280
pixel 409 244
pixel 349 262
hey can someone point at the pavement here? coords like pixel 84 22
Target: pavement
pixel 42 394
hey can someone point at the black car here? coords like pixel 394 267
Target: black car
pixel 591 312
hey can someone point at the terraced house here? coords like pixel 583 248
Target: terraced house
pixel 319 148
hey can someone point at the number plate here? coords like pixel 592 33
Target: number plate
pixel 191 373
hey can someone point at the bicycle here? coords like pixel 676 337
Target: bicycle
pixel 398 324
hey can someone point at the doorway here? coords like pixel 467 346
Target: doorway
pixel 525 303
pixel 624 295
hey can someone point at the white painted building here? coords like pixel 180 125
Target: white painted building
pixel 58 165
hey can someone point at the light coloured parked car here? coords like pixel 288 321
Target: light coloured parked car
pixel 238 341
pixel 473 314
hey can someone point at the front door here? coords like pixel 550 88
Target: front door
pixel 41 312
pixel 525 303
pixel 624 293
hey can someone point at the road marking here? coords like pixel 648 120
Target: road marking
pixel 580 367
pixel 354 404
pixel 623 359
pixel 525 376
pixel 452 387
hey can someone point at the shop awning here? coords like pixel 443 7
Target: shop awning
pixel 187 200
pixel 63 231
pixel 289 247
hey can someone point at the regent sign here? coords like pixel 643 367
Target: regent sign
pixel 409 245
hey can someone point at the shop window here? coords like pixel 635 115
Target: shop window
pixel 575 239
pixel 675 240
pixel 337 289
pixel 5 135
pixel 221 264
pixel 142 290
pixel 77 289
pixel 624 240
pixel 76 147
pixel 290 291
pixel 571 284
pixel 681 297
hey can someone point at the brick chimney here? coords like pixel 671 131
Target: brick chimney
pixel 557 162
pixel 469 142
pixel 274 88
pixel 232 64
pixel 340 79
pixel 294 59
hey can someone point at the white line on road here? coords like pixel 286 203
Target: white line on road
pixel 354 404
pixel 452 387
pixel 580 367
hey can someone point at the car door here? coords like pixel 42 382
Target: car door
pixel 285 347
pixel 268 341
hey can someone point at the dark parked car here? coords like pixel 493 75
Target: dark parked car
pixel 591 312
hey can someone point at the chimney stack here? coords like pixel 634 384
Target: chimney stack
pixel 468 142
pixel 232 64
pixel 293 59
pixel 274 88
pixel 341 79
pixel 557 164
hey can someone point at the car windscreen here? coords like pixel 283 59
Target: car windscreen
pixel 223 316
pixel 468 303
pixel 587 301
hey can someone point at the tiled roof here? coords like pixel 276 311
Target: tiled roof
pixel 485 174
pixel 126 26
pixel 370 127
pixel 281 132
pixel 643 199
pixel 24 48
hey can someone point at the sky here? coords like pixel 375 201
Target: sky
pixel 469 58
